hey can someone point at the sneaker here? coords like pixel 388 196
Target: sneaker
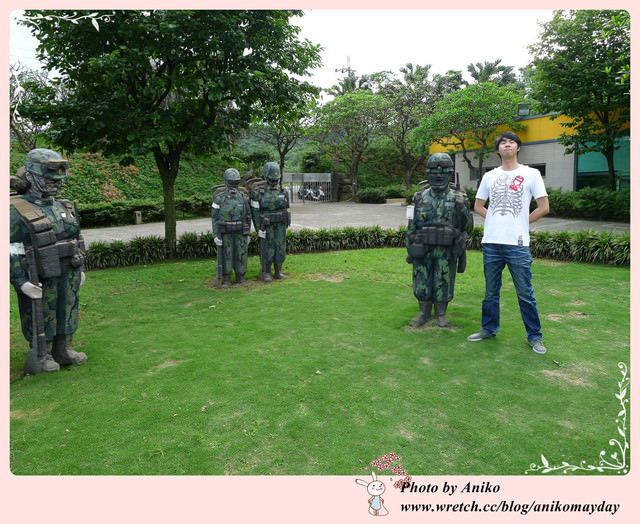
pixel 480 335
pixel 538 346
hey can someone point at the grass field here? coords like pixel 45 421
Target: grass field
pixel 320 374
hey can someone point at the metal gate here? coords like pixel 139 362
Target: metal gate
pixel 309 187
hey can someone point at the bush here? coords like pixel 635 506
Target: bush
pixel 372 196
pixel 594 203
pixel 582 246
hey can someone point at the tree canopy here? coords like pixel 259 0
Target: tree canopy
pixel 407 102
pixel 581 62
pixel 166 81
pixel 346 126
pixel 468 120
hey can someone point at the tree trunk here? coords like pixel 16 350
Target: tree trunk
pixel 168 164
pixel 409 174
pixel 611 170
pixel 355 164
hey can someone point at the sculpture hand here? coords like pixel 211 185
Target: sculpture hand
pixel 31 290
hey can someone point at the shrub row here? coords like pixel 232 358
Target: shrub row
pixel 123 212
pixel 581 246
pixel 594 203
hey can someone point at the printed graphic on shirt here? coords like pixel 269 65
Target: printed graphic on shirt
pixel 506 196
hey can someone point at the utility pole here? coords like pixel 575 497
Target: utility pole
pixel 347 69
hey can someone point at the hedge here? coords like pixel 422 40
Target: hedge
pixel 580 246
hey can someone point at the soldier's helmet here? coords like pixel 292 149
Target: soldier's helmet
pixel 232 177
pixel 47 164
pixel 271 172
pixel 440 162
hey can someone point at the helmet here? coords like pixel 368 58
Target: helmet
pixel 47 164
pixel 271 172
pixel 232 177
pixel 440 162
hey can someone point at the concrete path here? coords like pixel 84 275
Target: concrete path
pixel 334 215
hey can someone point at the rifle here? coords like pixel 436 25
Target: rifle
pixel 219 257
pixel 39 347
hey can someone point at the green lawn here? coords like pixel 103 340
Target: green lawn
pixel 319 374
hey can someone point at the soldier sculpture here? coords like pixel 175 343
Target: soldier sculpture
pixel 437 234
pixel 46 262
pixel 271 218
pixel 231 220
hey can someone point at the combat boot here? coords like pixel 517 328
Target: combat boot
pixel 40 364
pixel 424 316
pixel 63 352
pixel 277 272
pixel 440 309
pixel 265 274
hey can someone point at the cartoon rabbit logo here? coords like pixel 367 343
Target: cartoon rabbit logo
pixel 375 488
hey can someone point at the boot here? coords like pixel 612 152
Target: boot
pixel 277 272
pixel 40 364
pixel 240 279
pixel 226 280
pixel 265 274
pixel 424 316
pixel 440 309
pixel 63 352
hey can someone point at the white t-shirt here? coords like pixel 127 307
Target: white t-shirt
pixel 509 194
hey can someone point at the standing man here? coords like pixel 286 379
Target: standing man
pixel 271 218
pixel 437 236
pixel 231 221
pixel 509 189
pixel 46 261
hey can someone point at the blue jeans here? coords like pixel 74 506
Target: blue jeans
pixel 518 259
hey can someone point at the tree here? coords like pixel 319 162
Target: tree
pixel 407 103
pixel 582 63
pixel 168 82
pixel 492 72
pixel 283 129
pixel 24 83
pixel 468 120
pixel 346 126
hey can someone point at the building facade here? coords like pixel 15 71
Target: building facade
pixel 541 149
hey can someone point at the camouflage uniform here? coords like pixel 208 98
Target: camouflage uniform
pixel 271 218
pixel 231 221
pixel 436 240
pixel 52 225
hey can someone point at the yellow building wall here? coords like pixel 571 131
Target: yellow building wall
pixel 538 129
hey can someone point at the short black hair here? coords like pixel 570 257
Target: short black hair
pixel 511 136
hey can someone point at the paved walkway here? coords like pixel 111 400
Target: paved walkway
pixel 334 215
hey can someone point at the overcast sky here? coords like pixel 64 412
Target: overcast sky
pixel 377 40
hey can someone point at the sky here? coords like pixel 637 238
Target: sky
pixel 377 40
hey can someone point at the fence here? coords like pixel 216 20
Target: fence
pixel 310 187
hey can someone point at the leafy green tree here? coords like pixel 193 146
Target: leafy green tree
pixel 492 72
pixel 168 82
pixel 408 101
pixel 24 84
pixel 283 129
pixel 467 120
pixel 346 126
pixel 582 61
